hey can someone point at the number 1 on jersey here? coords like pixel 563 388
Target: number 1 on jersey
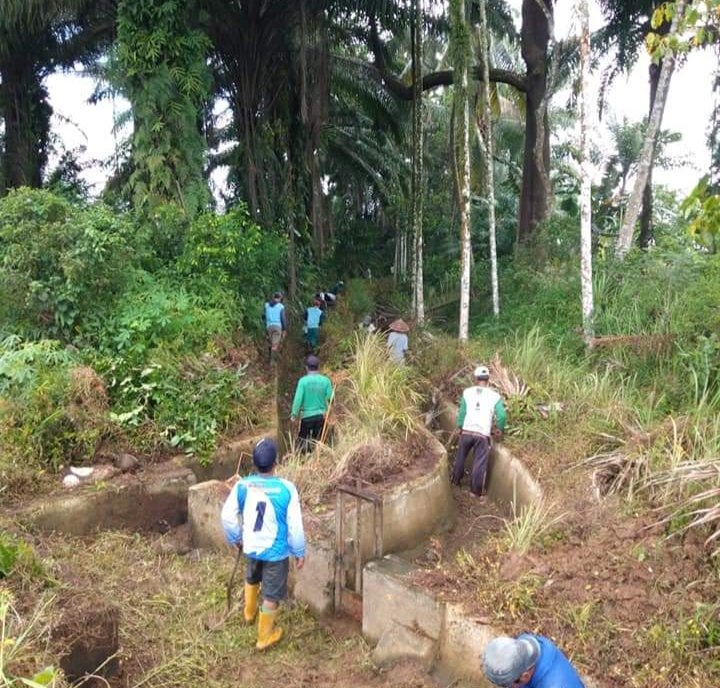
pixel 260 508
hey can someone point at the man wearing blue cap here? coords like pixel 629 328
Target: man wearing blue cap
pixel 528 661
pixel 262 515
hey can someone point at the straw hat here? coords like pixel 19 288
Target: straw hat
pixel 399 325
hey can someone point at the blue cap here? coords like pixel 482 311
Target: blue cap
pixel 312 362
pixel 506 659
pixel 265 454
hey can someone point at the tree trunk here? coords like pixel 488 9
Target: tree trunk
pixel 586 177
pixel 489 165
pixel 460 37
pixel 417 171
pixel 646 228
pixel 26 115
pixel 536 188
pixel 633 208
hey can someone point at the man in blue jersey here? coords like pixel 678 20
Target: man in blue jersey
pixel 275 321
pixel 313 319
pixel 528 661
pixel 262 515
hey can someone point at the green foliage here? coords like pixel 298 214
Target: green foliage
pixel 18 558
pixel 232 252
pixel 360 297
pixel 702 209
pixel 161 67
pixel 161 235
pixel 157 311
pixel 675 645
pixel 52 410
pixel 59 264
pixel 186 402
pixel 161 354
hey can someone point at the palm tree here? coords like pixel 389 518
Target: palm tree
pixel 628 23
pixel 37 37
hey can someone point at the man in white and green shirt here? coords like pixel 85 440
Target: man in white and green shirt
pixel 312 396
pixel 480 404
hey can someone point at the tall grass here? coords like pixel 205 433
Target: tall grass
pixel 382 396
pixel 19 641
pixel 530 524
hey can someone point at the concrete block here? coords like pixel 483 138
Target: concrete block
pixel 205 502
pixel 463 643
pixel 399 642
pixel 314 584
pixel 388 599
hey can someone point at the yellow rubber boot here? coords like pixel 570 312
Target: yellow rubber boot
pixel 251 601
pixel 268 633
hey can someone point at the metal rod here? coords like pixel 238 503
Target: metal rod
pixel 355 492
pixel 339 550
pixel 358 553
pixel 379 531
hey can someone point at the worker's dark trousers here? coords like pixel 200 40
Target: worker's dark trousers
pixel 480 447
pixel 310 429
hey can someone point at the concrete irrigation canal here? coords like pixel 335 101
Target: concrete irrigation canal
pixel 361 550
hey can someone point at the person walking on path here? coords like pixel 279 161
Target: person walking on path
pixel 312 396
pixel 528 661
pixel 478 406
pixel 262 516
pixel 275 322
pixel 398 340
pixel 313 319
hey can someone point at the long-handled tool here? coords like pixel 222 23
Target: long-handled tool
pixel 326 424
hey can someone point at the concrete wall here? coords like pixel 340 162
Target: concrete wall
pixel 393 606
pixel 508 479
pixel 154 499
pixel 412 511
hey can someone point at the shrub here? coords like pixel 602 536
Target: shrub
pixel 186 402
pixel 231 251
pixel 59 263
pixel 18 558
pixel 52 410
pixel 158 311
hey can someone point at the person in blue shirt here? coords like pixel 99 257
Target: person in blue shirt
pixel 262 516
pixel 314 317
pixel 528 661
pixel 275 321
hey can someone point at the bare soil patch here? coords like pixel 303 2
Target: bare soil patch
pixel 621 598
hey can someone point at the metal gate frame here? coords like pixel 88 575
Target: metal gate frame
pixel 360 496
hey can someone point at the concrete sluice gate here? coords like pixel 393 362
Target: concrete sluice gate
pixel 351 564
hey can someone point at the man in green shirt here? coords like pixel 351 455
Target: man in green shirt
pixel 312 396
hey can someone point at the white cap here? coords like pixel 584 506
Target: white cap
pixel 482 373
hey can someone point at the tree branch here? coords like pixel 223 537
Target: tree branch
pixel 435 79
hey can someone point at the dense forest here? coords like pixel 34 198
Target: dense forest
pixel 437 156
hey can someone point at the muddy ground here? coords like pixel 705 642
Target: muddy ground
pixel 632 607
